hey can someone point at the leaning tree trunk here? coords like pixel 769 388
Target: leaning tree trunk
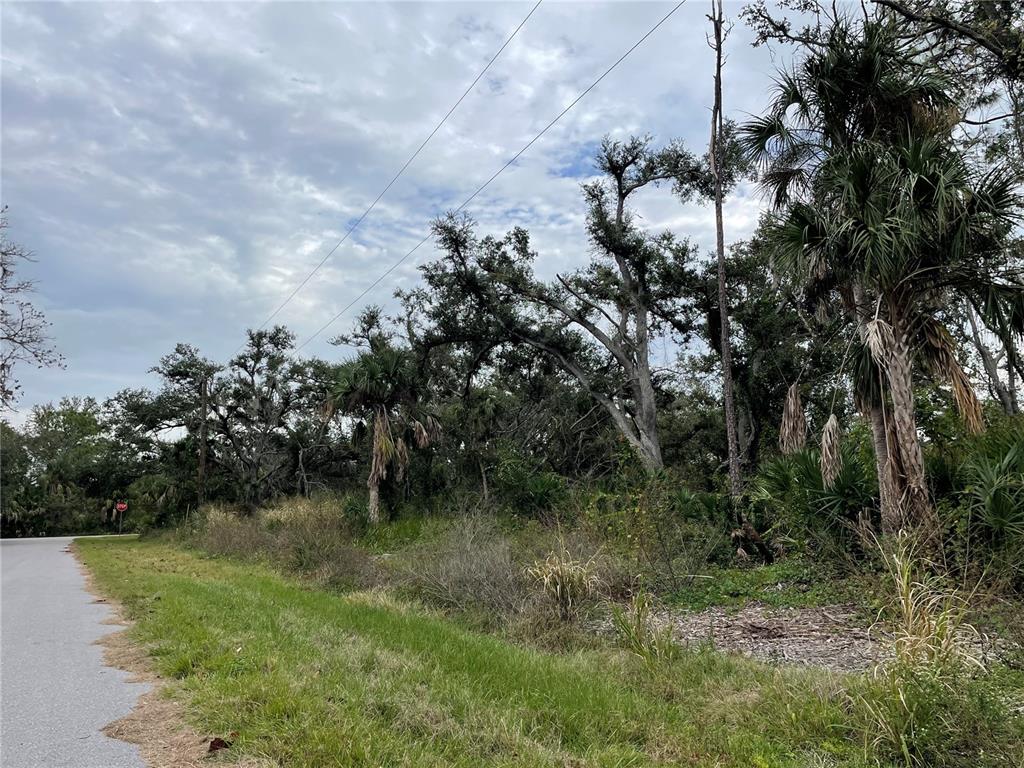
pixel 650 446
pixel 1003 392
pixel 483 478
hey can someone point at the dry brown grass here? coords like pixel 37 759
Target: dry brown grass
pixel 469 567
pixel 157 723
pixel 568 582
pixel 312 537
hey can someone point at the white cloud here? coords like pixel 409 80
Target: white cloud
pixel 195 161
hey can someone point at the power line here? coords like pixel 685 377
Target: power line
pixel 402 170
pixel 497 173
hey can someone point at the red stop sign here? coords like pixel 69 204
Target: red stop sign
pixel 121 506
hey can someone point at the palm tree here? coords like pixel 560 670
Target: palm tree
pixel 876 208
pixel 379 389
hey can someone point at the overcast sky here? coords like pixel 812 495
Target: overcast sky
pixel 178 168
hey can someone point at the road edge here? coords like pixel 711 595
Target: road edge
pixel 157 723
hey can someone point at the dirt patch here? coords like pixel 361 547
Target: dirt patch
pixel 157 723
pixel 833 637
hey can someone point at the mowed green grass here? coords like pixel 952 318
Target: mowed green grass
pixel 311 678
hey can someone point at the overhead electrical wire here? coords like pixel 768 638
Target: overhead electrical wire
pixel 497 173
pixel 401 170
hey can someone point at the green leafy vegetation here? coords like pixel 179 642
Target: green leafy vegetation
pixel 792 583
pixel 311 678
pixel 469 541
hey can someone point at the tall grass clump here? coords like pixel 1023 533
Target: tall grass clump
pixel 567 581
pixel 638 632
pixel 308 536
pixel 930 702
pixel 220 531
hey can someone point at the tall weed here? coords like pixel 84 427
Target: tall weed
pixel 468 567
pixel 637 631
pixel 567 581
pixel 929 703
pixel 312 537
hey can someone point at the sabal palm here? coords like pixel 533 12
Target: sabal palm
pixel 380 387
pixel 877 206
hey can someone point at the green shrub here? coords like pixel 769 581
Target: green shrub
pixel 154 501
pixel 794 493
pixel 528 491
pixel 993 486
pixel 666 531
pixel 674 534
pixel 983 506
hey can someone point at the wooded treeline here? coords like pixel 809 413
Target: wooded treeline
pixel 875 322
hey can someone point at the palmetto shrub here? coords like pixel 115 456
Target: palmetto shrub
pixel 528 491
pixel 796 495
pixel 993 486
pixel 981 481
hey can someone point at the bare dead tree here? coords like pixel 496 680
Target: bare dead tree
pixel 714 154
pixel 24 333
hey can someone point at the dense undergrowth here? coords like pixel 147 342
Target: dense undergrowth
pixel 546 585
pixel 540 571
pixel 310 678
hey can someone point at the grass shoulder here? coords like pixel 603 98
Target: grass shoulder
pixel 312 678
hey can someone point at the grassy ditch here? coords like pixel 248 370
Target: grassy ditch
pixel 313 678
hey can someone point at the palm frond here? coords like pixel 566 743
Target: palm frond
pixel 793 429
pixel 831 454
pixel 940 352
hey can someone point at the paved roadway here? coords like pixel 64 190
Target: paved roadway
pixel 55 692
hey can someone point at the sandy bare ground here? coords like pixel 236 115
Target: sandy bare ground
pixel 833 637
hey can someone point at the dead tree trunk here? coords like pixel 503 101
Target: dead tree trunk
pixel 715 155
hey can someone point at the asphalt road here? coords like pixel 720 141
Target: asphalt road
pixel 55 692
